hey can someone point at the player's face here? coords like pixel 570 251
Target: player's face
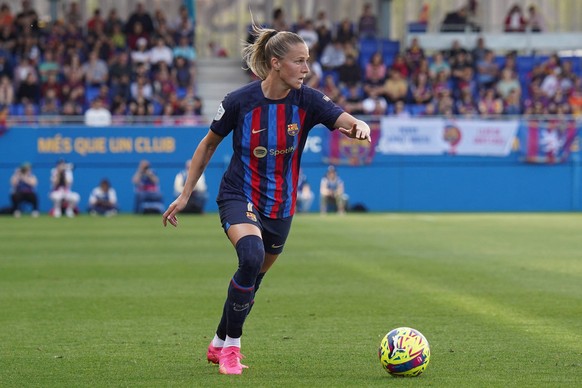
pixel 293 66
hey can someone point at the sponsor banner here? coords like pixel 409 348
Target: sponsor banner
pixel 478 137
pixel 411 137
pixel 439 136
pixel 547 141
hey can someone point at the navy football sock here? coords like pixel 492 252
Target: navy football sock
pixel 251 255
pixel 221 330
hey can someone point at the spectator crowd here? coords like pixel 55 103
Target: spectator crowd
pixel 142 66
pixel 115 71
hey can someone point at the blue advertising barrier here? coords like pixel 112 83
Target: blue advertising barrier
pixel 388 183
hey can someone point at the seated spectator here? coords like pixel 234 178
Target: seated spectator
pixel 309 35
pixel 345 32
pixel 185 50
pixel 95 70
pixel 367 23
pixel 73 90
pixel 23 190
pixel 514 20
pixel 551 82
pixel 400 65
pixel 6 16
pixel 452 53
pixel 160 52
pixel 349 73
pixel 511 63
pixel 444 104
pixel 439 65
pixel 324 39
pixel 395 87
pixel 421 89
pixel 567 77
pixel 508 84
pixel 141 86
pixel 535 20
pixel 199 196
pixel 96 21
pixel 103 200
pixel 53 85
pixel 413 55
pixel 333 56
pixel 191 112
pixel 478 53
pixel 183 23
pixel 353 98
pixel 139 23
pixel 148 198
pixel 559 102
pixel 511 103
pixel 487 71
pixel 375 74
pixel 48 66
pixel 113 20
pixel 182 73
pixel 304 193
pixel 118 38
pixel 441 85
pixel 332 194
pixel 62 196
pixel 137 36
pixel 141 54
pixel 466 105
pixel 489 103
pixel 98 115
pixel 50 108
pixel 29 90
pixel 423 68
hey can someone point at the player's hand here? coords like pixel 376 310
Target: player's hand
pixel 170 213
pixel 361 132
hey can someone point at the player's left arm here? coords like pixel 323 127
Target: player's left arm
pixel 352 127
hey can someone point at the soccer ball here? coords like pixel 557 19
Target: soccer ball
pixel 404 352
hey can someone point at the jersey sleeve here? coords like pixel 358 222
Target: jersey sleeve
pixel 225 119
pixel 327 112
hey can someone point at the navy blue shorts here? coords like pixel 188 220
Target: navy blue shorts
pixel 274 231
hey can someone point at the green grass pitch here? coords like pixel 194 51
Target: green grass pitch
pixel 123 301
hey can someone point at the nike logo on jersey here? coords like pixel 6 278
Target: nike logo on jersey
pixel 276 246
pixel 258 130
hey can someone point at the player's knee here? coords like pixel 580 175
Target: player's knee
pixel 251 255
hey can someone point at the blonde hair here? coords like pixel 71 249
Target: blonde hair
pixel 268 43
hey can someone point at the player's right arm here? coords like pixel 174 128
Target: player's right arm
pixel 200 160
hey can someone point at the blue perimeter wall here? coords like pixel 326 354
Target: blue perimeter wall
pixel 392 183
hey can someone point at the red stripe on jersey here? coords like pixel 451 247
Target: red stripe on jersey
pixel 254 161
pixel 280 159
pixel 295 163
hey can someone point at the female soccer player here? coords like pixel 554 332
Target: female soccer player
pixel 270 120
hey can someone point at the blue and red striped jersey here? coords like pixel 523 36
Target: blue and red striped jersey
pixel 268 140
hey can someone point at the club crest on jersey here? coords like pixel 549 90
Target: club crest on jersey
pixel 292 129
pixel 260 152
pixel 251 216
